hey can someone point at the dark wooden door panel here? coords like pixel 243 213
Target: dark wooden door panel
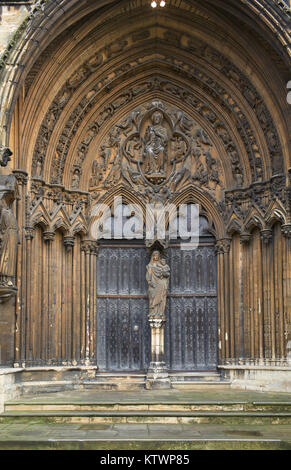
pixel 123 330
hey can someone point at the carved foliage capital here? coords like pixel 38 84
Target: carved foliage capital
pixel 245 238
pixel 90 247
pixel 286 230
pixel 157 321
pixel 266 235
pixel 29 233
pixel 21 176
pixel 69 242
pixel 222 246
pixel 48 236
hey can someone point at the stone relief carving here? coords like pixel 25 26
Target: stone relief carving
pixel 156 151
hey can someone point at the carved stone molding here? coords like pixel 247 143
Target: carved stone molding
pixel 214 89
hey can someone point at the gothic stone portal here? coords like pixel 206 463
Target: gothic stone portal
pixel 123 342
pixel 155 152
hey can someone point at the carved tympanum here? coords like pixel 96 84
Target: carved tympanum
pixel 157 150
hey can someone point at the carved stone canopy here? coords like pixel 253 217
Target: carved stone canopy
pixel 156 151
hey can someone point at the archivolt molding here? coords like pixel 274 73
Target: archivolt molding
pixel 32 36
pixel 207 83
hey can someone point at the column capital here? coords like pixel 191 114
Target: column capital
pixel 156 321
pixel 21 176
pixel 245 238
pixel 223 246
pixel 48 236
pixel 90 247
pixel 69 242
pixel 29 233
pixel 266 235
pixel 286 230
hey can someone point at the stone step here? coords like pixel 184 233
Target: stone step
pixel 147 417
pixel 21 406
pixel 146 444
pixel 128 436
pixel 38 387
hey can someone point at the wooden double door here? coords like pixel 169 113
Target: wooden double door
pixel 123 332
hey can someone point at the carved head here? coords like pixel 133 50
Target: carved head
pixel 157 118
pixel 155 256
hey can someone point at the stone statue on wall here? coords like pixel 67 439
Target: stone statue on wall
pixel 157 276
pixel 156 139
pixel 9 238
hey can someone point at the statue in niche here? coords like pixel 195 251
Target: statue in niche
pixel 156 143
pixel 8 243
pixel 157 276
pixel 76 179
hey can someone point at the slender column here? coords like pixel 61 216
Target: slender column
pixel 157 376
pixel 244 240
pixel 29 236
pixel 69 242
pixel 22 178
pixel 221 331
pixel 222 250
pixel 90 250
pixel 266 237
pixel 286 230
pixel 49 237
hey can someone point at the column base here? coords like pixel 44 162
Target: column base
pixel 158 377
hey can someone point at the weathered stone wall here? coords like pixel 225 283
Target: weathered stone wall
pixel 11 17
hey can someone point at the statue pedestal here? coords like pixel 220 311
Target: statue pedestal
pixel 157 376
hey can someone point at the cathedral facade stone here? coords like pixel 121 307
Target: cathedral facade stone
pixel 121 107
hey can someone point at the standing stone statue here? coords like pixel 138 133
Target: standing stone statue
pixel 8 243
pixel 157 276
pixel 156 140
